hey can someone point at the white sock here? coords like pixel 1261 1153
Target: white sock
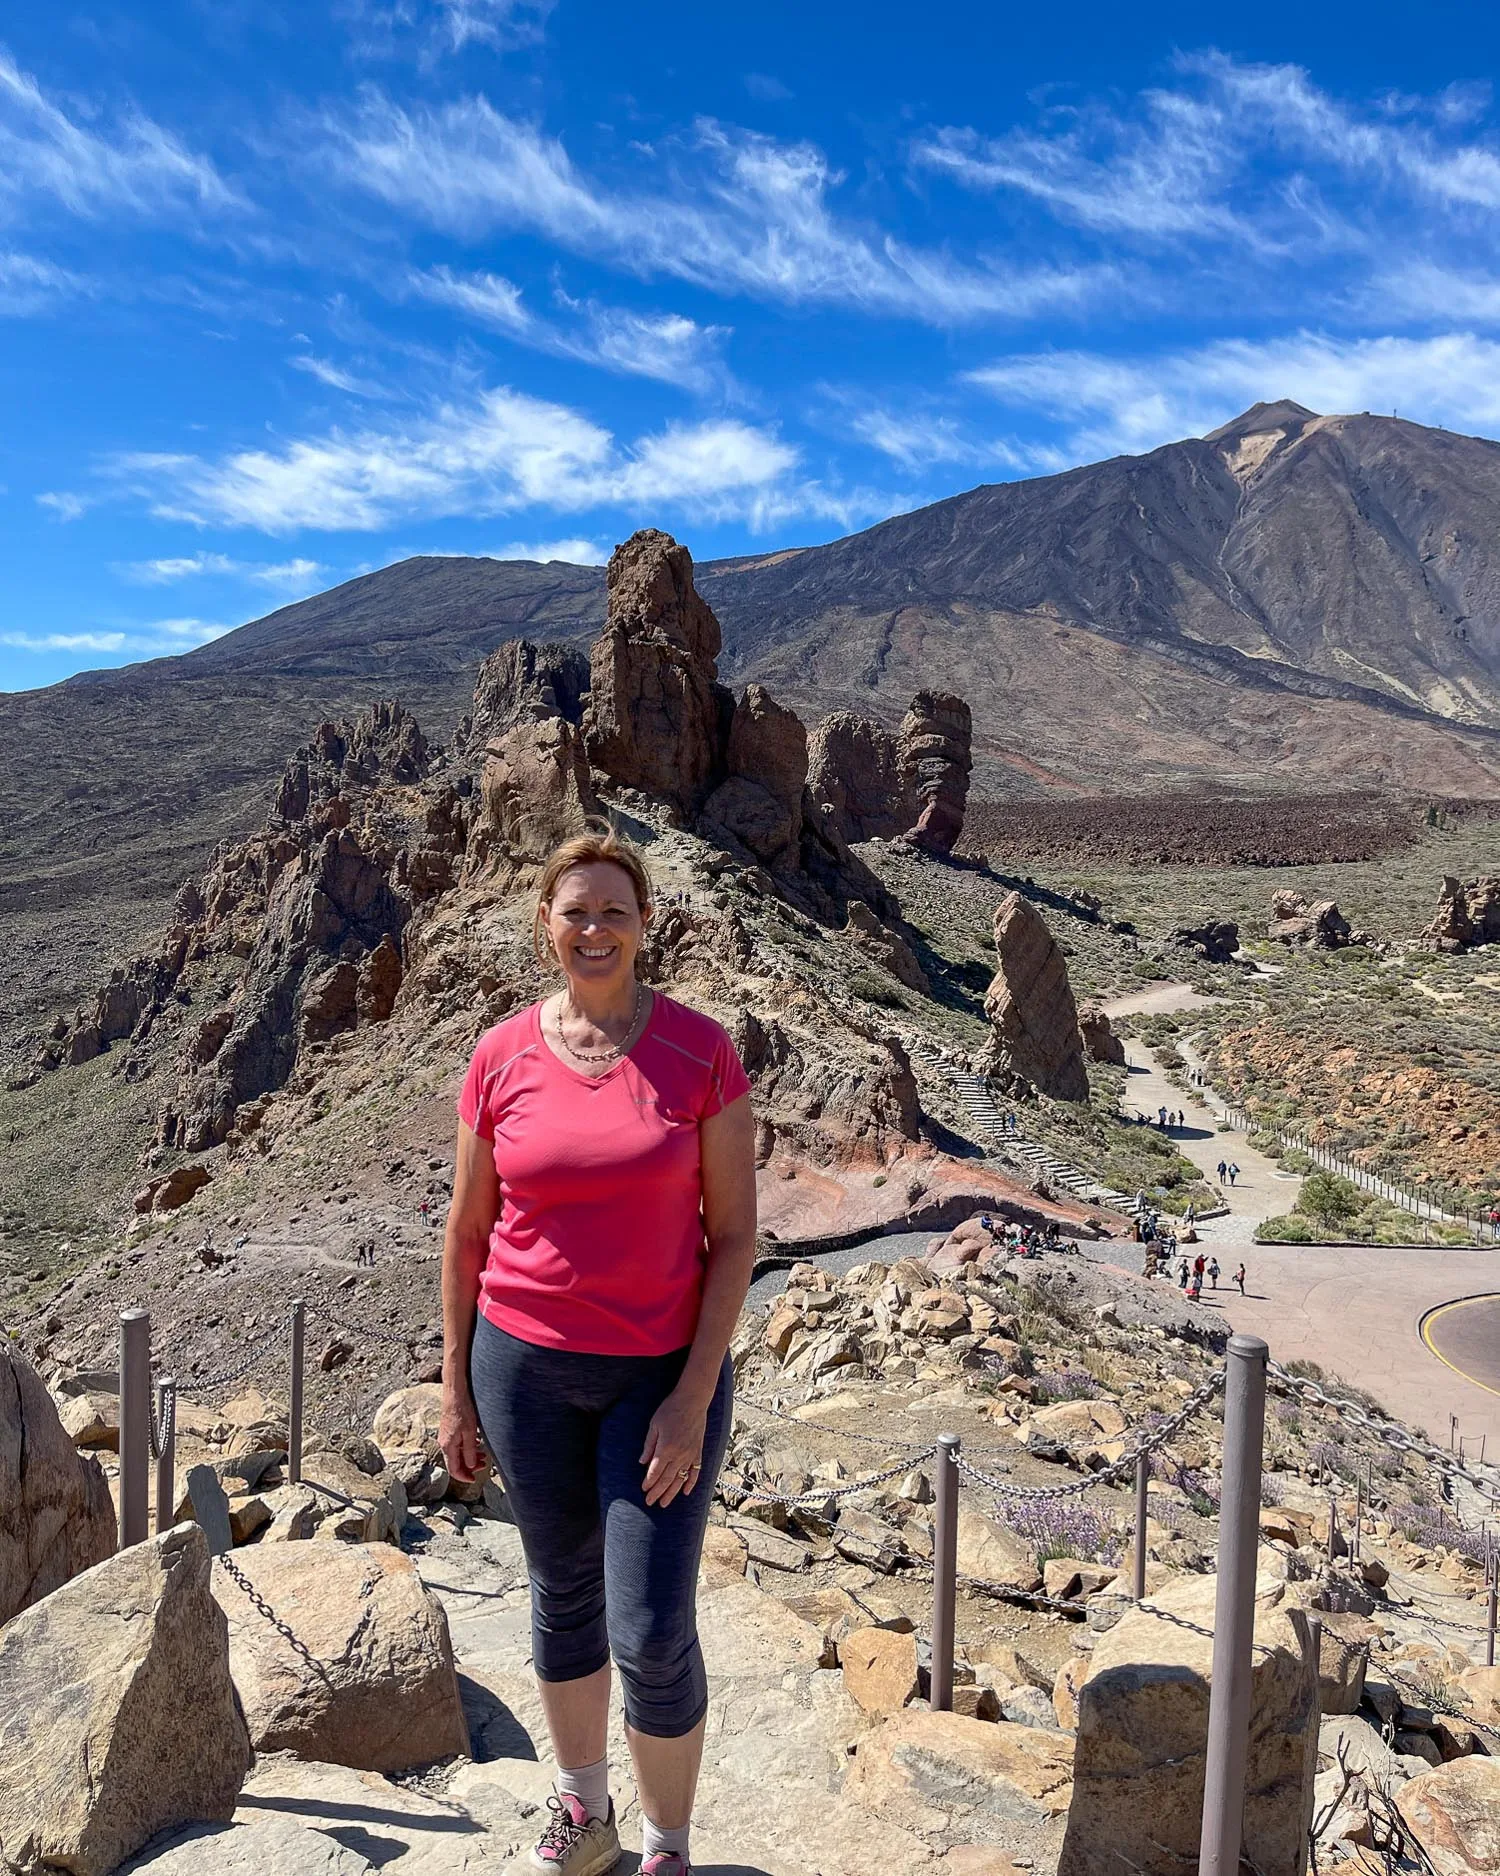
pixel 654 1840
pixel 589 1784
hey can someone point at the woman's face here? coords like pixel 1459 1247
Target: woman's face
pixel 595 924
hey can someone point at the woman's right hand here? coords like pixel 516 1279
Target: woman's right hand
pixel 459 1436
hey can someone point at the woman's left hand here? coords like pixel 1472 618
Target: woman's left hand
pixel 673 1451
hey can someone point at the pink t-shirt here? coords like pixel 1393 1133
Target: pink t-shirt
pixel 599 1246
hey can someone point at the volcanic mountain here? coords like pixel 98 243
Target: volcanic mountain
pixel 1293 601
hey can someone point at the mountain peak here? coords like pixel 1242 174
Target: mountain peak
pixel 1262 417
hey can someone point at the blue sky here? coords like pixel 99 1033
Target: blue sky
pixel 289 291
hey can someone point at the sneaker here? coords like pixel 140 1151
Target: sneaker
pixel 574 1844
pixel 666 1863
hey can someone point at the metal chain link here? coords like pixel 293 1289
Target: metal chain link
pixel 1117 1469
pixel 1425 1699
pixel 250 1354
pixel 160 1432
pixel 845 1433
pixel 374 1335
pixel 821 1494
pixel 1387 1432
pixel 237 1576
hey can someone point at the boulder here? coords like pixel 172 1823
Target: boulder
pixel 883 946
pixel 407 1420
pixel 56 1518
pixel 653 719
pixel 935 755
pixel 1453 1811
pixel 379 1690
pixel 536 786
pixel 1343 1655
pixel 919 1767
pixel 1033 1018
pixel 117 1716
pixel 521 682
pixel 91 1418
pixel 1143 1731
pixel 1100 1043
pixel 1215 941
pixel 1468 914
pixel 760 804
pixel 993 1554
pixel 1319 924
pixel 880 1669
pixel 854 776
pixel 1482 1685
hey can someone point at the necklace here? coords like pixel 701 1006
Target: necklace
pixel 592 1058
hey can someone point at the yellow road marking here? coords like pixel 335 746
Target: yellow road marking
pixel 1425 1327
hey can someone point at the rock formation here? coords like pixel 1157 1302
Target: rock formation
pixel 1215 941
pixel 935 760
pixel 1318 924
pixel 827 1106
pixel 1100 1043
pixel 381 1692
pixel 655 716
pixel 1468 914
pixel 521 682
pixel 1143 1727
pixel 760 804
pixel 1033 1018
pixel 854 774
pixel 56 1519
pixel 117 1716
pixel 884 947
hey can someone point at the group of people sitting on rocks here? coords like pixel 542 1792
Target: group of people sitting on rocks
pixel 1022 1240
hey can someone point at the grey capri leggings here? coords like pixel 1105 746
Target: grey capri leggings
pixel 610 1574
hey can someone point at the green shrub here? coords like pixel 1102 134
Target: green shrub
pixel 1329 1200
pixel 873 989
pixel 1288 1229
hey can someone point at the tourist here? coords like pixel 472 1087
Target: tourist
pixel 1239 1277
pixel 1190 1216
pixel 1213 1272
pixel 1199 1262
pixel 1182 1274
pixel 1161 1118
pixel 1223 1169
pixel 598 1251
pixel 1234 1172
pixel 426 1210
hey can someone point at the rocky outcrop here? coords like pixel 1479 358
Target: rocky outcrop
pixel 385 744
pixel 1468 914
pixel 1453 1811
pixel 854 774
pixel 830 1106
pixel 760 804
pixel 887 948
pixel 521 682
pixel 1215 941
pixel 655 716
pixel 380 1691
pixel 1143 1732
pixel 935 755
pixel 1100 1043
pixel 1033 1018
pixel 56 1519
pixel 536 787
pixel 1319 924
pixel 117 1716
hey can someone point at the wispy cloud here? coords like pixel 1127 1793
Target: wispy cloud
pixel 767 90
pixel 29 285
pixel 64 504
pixel 665 346
pixel 335 376
pixel 132 167
pixel 1107 406
pixel 578 553
pixel 921 440
pixel 754 215
pixel 299 574
pixel 385 27
pixel 499 452
pixel 161 636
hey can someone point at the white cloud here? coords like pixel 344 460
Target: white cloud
pixel 1108 406
pixel 63 641
pixel 498 453
pixel 326 372
pixel 65 505
pixel 577 553
pixel 446 25
pixel 767 90
pixel 29 285
pixel 755 217
pixel 300 574
pixel 161 636
pixel 665 346
pixel 920 439
pixel 137 169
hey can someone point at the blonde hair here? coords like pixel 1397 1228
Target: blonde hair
pixel 599 842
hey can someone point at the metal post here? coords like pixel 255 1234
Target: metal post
pixel 166 1459
pixel 1489 1621
pixel 1142 1478
pixel 944 1572
pixel 135 1425
pixel 1234 1608
pixel 1359 1513
pixel 294 1415
pixel 1333 1526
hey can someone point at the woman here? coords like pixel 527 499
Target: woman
pixel 597 1255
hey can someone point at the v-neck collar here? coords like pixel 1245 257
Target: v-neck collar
pixel 615 1068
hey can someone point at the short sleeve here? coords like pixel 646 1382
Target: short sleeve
pixel 472 1108
pixel 727 1079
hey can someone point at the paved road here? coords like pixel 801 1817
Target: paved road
pixel 1465 1336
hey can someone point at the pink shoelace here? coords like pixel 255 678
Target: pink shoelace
pixel 569 1821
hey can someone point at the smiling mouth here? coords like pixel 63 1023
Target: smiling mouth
pixel 584 951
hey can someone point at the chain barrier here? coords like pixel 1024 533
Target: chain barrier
pixel 1121 1468
pixel 1424 1699
pixel 822 1494
pixel 1387 1432
pixel 249 1355
pixel 845 1433
pixel 294 1641
pixel 160 1432
pixel 374 1335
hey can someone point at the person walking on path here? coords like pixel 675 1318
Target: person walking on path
pixel 1239 1277
pixel 1234 1172
pixel 1182 1274
pixel 597 1255
pixel 426 1208
pixel 1213 1272
pixel 1223 1169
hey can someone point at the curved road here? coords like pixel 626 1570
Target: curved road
pixel 1465 1336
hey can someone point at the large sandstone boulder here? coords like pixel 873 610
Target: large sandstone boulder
pixel 117 1717
pixel 56 1518
pixel 761 802
pixel 1143 1732
pixel 536 786
pixel 927 1769
pixel 828 1107
pixel 1453 1811
pixel 854 775
pixel 883 946
pixel 992 1553
pixel 1468 914
pixel 654 716
pixel 1100 1043
pixel 1318 924
pixel 936 757
pixel 1033 1018
pixel 379 1692
pixel 406 1421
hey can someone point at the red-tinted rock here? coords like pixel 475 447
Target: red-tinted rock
pixel 854 774
pixel 935 759
pixel 1100 1043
